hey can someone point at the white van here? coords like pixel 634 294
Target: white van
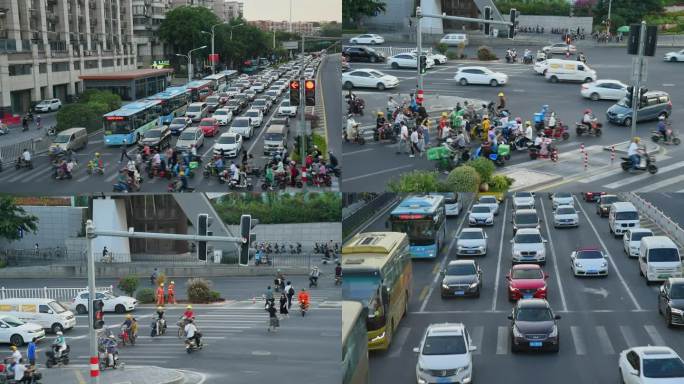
pixel 569 70
pixel 47 313
pixel 621 217
pixel 659 259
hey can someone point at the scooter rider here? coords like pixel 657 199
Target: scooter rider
pixel 391 105
pixel 333 161
pixel 26 156
pixel 313 275
pixel 188 314
pixel 303 298
pixel 59 345
pixel 538 140
pixel 338 271
pixel 552 120
pixel 191 333
pixel 529 134
pixel 633 153
pixel 662 127
pixel 588 118
pixel 109 343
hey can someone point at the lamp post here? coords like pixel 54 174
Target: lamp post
pixel 231 29
pixel 213 66
pixel 189 57
pixel 610 3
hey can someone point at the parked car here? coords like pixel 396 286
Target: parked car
pixel 368 78
pixel 112 303
pixel 454 39
pixel 48 313
pixel 480 75
pixel 657 103
pixel 363 54
pixel 230 143
pixel 17 332
pixel 48 105
pixel 604 90
pixel 369 38
pixel 674 56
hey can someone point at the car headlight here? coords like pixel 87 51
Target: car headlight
pixel 516 332
pixel 445 285
pixel 473 285
pixel 481 247
pixel 604 265
pixel 677 311
pixel 516 253
pixel 578 264
pixel 378 337
pixel 554 332
pixel 543 288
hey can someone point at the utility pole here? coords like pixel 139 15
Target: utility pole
pixel 92 334
pixel 419 43
pixel 637 81
pixel 610 4
pixel 302 106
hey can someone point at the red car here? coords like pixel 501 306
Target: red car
pixel 209 126
pixel 592 196
pixel 526 281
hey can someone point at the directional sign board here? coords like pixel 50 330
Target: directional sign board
pixel 290 44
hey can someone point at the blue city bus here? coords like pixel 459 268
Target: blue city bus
pixel 129 123
pixel 423 219
pixel 174 101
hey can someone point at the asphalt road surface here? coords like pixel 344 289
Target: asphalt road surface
pixel 600 316
pixel 370 167
pixel 238 347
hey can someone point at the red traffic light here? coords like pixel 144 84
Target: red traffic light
pixel 294 84
pixel 309 84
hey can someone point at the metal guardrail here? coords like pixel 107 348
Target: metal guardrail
pixel 44 256
pixel 59 294
pixel 362 215
pixel 10 153
pixel 669 226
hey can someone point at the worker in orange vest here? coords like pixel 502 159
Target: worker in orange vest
pixel 160 294
pixel 171 298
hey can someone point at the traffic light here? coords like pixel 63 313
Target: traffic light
pixel 633 40
pixel 511 28
pixel 487 15
pixel 98 314
pixel 310 93
pixel 294 93
pixel 203 224
pixel 629 95
pixel 245 227
pixel 642 96
pixel 651 40
pixel 423 63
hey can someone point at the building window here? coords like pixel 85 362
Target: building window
pixel 91 64
pixel 60 67
pixel 77 65
pixel 107 63
pixel 42 68
pixel 19 69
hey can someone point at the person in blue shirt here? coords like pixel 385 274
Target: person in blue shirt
pixel 662 127
pixel 219 165
pixel 31 352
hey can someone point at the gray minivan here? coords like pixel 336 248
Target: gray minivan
pixel 653 105
pixel 70 139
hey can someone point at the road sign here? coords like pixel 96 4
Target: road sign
pixel 290 44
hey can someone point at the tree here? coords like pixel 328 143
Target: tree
pixel 417 181
pixel 111 100
pixel 79 115
pixel 353 11
pixel 333 29
pixel 629 11
pixel 464 179
pixel 182 28
pixel 14 220
pixel 128 284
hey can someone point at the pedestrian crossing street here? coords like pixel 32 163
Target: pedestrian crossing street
pixel 580 340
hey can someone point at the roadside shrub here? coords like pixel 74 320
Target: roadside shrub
pixel 500 183
pixel 442 48
pixel 145 296
pixel 416 181
pixel 484 167
pixel 3 263
pixel 464 179
pixel 485 53
pixel 214 296
pixel 128 284
pixel 452 55
pixel 199 290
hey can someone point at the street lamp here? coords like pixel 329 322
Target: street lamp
pixel 189 57
pixel 213 67
pixel 231 29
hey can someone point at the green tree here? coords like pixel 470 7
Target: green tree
pixel 79 115
pixel 111 100
pixel 353 11
pixel 417 181
pixel 464 179
pixel 626 11
pixel 272 208
pixel 13 217
pixel 537 7
pixel 128 284
pixel 333 29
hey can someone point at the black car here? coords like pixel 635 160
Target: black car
pixel 603 204
pixel 534 326
pixel 363 54
pixel 461 278
pixel 156 138
pixel 179 124
pixel 236 106
pixel 671 301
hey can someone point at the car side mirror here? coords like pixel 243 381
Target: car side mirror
pixel 557 317
pixel 546 275
pixel 485 235
pixel 508 276
pixel 634 372
pixel 50 311
pixel 511 241
pixel 510 317
pixel 472 348
pixel 544 240
pixel 662 290
pixel 416 350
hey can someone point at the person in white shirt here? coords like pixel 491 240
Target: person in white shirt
pixel 415 141
pixel 16 355
pixel 26 155
pixel 552 120
pixel 633 152
pixel 403 138
pixel 391 105
pixel 191 333
pixel 538 141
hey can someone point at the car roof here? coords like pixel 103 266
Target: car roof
pixel 655 352
pixel 482 205
pixel 656 93
pixel 527 266
pixel 624 206
pixel 523 211
pixel 589 248
pixel 566 206
pixel 445 329
pixel 676 280
pixel 478 230
pixel 472 67
pixel 601 81
pixel 462 262
pixel 528 231
pixel 638 230
pixel 228 134
pixel 192 129
pixel 533 303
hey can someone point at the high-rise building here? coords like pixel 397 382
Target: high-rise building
pixel 228 10
pixel 46 44
pixel 147 17
pixel 301 27
pixel 203 3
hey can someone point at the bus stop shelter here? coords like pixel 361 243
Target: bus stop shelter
pixel 130 85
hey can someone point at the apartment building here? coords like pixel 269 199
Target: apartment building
pixel 228 10
pixel 45 45
pixel 301 27
pixel 148 16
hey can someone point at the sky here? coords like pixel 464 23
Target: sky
pixel 302 10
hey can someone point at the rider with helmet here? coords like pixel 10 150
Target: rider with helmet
pixel 662 127
pixel 633 153
pixel 502 101
pixel 303 298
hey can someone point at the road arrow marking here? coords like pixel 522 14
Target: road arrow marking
pixel 603 292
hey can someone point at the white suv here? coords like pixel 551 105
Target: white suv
pixel 48 105
pixel 445 355
pixel 528 246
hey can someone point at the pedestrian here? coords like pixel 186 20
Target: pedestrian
pixel 153 276
pixel 171 293
pixel 283 305
pixel 403 138
pixel 289 290
pixel 273 322
pixel 123 152
pixel 160 294
pixel 427 125
pixel 36 251
pixel 415 142
pixel 31 352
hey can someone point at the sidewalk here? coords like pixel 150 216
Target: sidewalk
pixel 138 374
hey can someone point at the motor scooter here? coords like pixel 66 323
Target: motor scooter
pixel 191 345
pixel 560 131
pixel 546 151
pixel 21 163
pixel 646 164
pixel 158 327
pixel 243 182
pixel 303 307
pixel 338 280
pixel 53 360
pixel 671 139
pixel 356 137
pixel 594 129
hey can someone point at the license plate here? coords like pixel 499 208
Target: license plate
pixel 470 251
pixel 527 296
pixel 535 344
pixel 441 380
pixel 459 293
pixel 663 276
pixel 591 271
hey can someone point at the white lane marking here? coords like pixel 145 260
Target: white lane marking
pixel 654 335
pixel 634 179
pixel 498 263
pixel 442 264
pixel 476 337
pixel 398 342
pixel 355 152
pixel 604 340
pixel 580 347
pixel 347 179
pixel 628 335
pixel 661 184
pixel 502 341
pixel 262 130
pixel 608 255
pixel 555 258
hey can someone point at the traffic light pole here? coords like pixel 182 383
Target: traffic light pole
pixel 636 93
pixel 419 43
pixel 92 334
pixel 302 120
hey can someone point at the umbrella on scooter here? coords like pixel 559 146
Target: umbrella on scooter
pixel 623 29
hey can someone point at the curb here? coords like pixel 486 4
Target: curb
pixel 657 150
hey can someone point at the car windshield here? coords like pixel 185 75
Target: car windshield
pixel 460 269
pixel 220 112
pixel 526 218
pixel 285 103
pixel 566 211
pixel 273 137
pixel 636 236
pixel 369 49
pixel 259 102
pixel 44 103
pixel 213 99
pixel 187 136
pixel 360 286
pixel 624 103
pixel 677 291
pixel 523 194
pixel 61 139
pixel 240 123
pixel 628 215
pixel 12 321
pixel 481 209
pixel 470 235
pixel 663 255
pixel 376 74
pixel 226 140
pixel 527 274
pixel 444 345
pixel 528 238
pixel 670 367
pixel 607 200
pixel 593 254
pixel 487 200
pixel 207 123
pixel 153 134
pixel 252 114
pixel 194 108
pixel 420 232
pixel 57 307
pixel 562 195
pixel 178 121
pixel 534 314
